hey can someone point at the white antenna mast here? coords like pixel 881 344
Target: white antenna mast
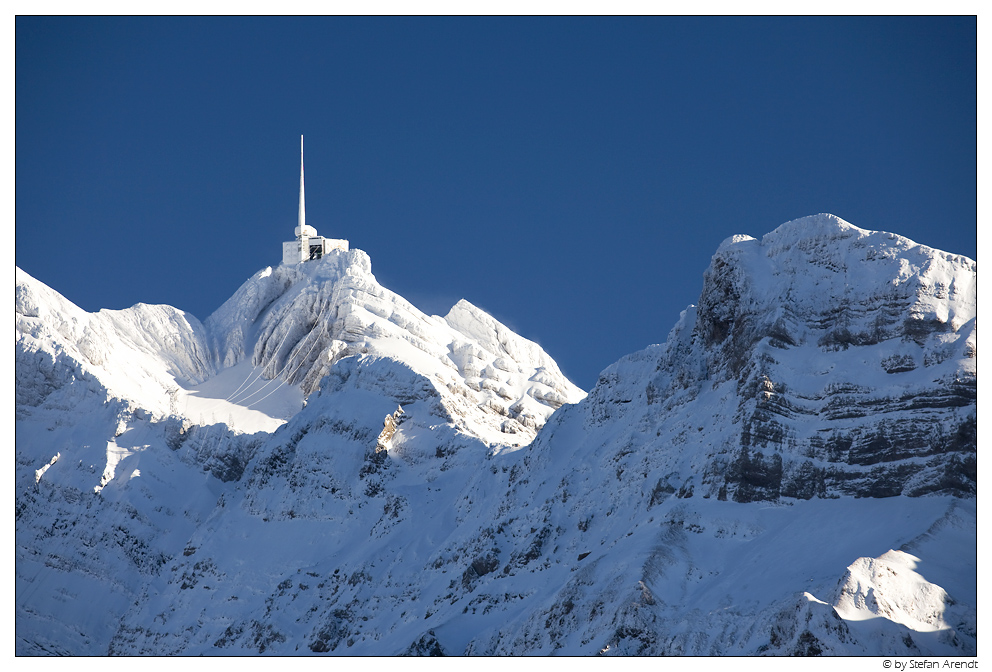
pixel 303 205
pixel 308 245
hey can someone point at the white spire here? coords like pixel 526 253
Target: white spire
pixel 308 245
pixel 303 205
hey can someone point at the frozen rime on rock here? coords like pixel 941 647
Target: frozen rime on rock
pixel 297 322
pixel 790 473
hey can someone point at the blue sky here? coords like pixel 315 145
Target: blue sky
pixel 572 176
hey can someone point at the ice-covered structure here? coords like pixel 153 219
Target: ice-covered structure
pixel 308 245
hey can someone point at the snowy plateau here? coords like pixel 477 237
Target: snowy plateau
pixel 320 468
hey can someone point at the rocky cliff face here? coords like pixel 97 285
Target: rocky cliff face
pixel 822 360
pixel 791 472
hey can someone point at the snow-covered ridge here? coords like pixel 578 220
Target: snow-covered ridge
pixel 281 333
pixel 790 473
pixel 143 353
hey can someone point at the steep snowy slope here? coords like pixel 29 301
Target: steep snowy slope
pixel 792 471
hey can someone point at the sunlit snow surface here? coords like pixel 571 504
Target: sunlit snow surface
pixel 241 398
pixel 175 495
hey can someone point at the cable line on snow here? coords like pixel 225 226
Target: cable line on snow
pixel 240 402
pixel 278 376
pixel 261 371
pixel 252 371
pixel 283 382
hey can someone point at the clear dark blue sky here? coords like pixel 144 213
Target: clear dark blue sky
pixel 571 176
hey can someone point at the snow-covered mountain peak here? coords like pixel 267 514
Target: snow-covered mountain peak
pixel 733 243
pixel 294 323
pixel 822 225
pixel 513 353
pixel 820 278
pixel 254 360
pixel 827 344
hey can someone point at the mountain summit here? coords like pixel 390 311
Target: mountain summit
pixel 255 359
pixel 822 360
pixel 320 468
